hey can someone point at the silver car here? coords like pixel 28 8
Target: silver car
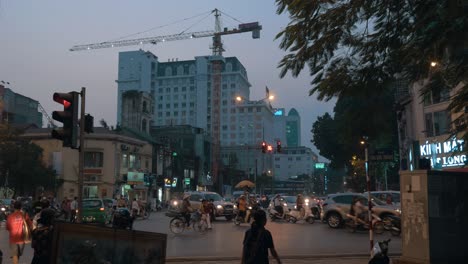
pixel 222 207
pixel 337 206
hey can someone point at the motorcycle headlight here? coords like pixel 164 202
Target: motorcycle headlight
pixel 250 207
pixel 3 209
pixel 306 201
pixel 234 206
pixel 175 203
pixel 295 207
pixel 219 206
pixel 398 211
pixel 285 204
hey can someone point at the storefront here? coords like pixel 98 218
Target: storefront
pixel 135 186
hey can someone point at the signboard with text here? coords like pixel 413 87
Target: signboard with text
pixel 381 155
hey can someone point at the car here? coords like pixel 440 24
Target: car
pixel 95 211
pixel 388 197
pixel 222 208
pixel 290 202
pixel 337 206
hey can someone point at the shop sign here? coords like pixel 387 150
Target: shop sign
pixel 444 154
pixel 135 178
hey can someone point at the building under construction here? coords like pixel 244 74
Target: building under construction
pixel 17 109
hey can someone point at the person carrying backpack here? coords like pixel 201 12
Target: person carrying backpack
pixel 257 241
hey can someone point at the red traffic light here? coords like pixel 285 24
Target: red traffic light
pixel 63 98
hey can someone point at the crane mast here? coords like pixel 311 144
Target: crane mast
pixel 216 59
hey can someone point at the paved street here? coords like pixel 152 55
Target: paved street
pixel 225 240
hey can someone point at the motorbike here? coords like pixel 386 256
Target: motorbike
pixel 275 215
pixel 143 213
pixel 122 218
pixel 395 225
pixel 379 253
pixel 295 215
pixel 354 223
pixel 251 209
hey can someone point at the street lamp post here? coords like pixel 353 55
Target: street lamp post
pixel 364 142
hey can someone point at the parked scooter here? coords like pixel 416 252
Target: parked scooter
pixel 379 253
pixel 354 223
pixel 296 215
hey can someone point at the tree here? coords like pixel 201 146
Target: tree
pixel 355 46
pixel 21 165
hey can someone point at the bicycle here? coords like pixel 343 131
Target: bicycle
pixel 178 224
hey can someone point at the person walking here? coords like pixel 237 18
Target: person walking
pixel 257 241
pixel 42 237
pixel 73 208
pixel 14 226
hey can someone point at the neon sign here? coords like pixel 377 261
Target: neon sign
pixel 444 154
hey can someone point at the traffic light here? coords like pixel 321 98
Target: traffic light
pixel 270 148
pixel 278 146
pixel 69 117
pixel 89 124
pixel 264 147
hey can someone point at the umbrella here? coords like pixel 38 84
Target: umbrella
pixel 245 183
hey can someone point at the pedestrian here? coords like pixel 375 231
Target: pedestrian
pixel 205 212
pixel 257 241
pixel 42 237
pixel 135 207
pixel 14 225
pixel 73 208
pixel 44 204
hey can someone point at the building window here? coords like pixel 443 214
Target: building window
pixel 168 89
pixel 132 161
pixel 184 105
pixel 168 106
pixel 277 166
pixel 192 88
pixel 277 158
pixel 93 159
pixel 184 89
pixel 143 125
pixel 437 123
pixel 290 159
pixel 168 113
pixel 159 114
pixel 176 89
pixel 160 106
pixel 176 105
pixel 298 158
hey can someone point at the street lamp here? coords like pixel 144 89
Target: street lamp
pixel 269 98
pixel 365 143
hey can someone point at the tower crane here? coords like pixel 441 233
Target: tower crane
pixel 216 61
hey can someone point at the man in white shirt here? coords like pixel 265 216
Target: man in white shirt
pixel 135 207
pixel 73 208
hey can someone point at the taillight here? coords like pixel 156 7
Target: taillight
pixel 101 209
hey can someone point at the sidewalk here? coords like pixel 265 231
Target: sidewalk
pixel 286 260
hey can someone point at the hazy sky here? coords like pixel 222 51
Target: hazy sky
pixel 35 38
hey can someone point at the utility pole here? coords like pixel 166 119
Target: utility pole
pixel 81 156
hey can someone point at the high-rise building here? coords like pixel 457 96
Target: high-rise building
pixel 293 128
pixel 182 89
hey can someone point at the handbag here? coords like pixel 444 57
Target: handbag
pixel 26 231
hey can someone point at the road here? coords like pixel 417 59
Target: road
pixel 225 240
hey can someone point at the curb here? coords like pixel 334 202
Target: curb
pixel 325 256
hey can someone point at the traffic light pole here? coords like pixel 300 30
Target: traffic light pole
pixel 81 156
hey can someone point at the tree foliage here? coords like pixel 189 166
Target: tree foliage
pixel 21 166
pixel 351 47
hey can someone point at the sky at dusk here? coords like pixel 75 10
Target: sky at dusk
pixel 36 37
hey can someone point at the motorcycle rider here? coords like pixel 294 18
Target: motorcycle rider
pixel 358 210
pixel 300 204
pixel 277 205
pixel 242 206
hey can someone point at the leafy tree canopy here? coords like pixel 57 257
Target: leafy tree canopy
pixel 373 42
pixel 21 166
